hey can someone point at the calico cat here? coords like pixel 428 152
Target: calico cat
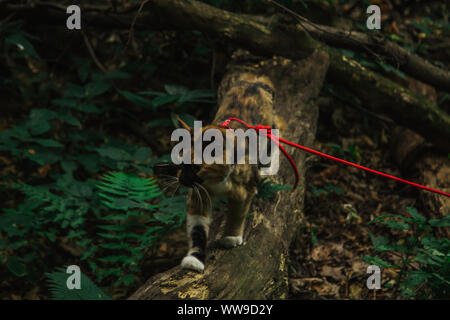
pixel 248 97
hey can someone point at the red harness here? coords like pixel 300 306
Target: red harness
pixel 277 140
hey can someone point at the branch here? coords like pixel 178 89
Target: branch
pixel 376 44
pixel 271 36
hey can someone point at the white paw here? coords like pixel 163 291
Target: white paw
pixel 192 263
pixel 229 242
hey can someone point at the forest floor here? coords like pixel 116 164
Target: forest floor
pixel 339 203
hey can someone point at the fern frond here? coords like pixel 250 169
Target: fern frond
pixel 121 191
pixel 57 282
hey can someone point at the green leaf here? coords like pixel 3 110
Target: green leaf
pixel 415 278
pixel 142 154
pixel 38 115
pixel 159 101
pixel 443 222
pixel 74 91
pixel 268 189
pixel 380 243
pixel 43 157
pixel 175 90
pixel 68 165
pixel 382 218
pixel 67 118
pixel 113 153
pixel 48 143
pixel 415 215
pixel 39 127
pixel 126 280
pixel 136 99
pixel 197 96
pixel 377 261
pixel 398 225
pixel 39 118
pixel 90 162
pixel 165 122
pixel 89 108
pixel 65 102
pixel 58 287
pixel 96 88
pixel 22 43
pixel 15 265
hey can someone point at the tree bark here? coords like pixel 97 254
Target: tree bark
pixel 258 269
pixel 432 169
pixel 274 36
pixel 376 44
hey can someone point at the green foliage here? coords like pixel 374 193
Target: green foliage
pixel 13 35
pixel 111 223
pixel 351 152
pixel 329 188
pixel 127 224
pixel 129 228
pixel 424 269
pixel 57 282
pixel 267 188
pixel 177 95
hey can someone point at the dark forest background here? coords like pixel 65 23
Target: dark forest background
pixel 86 113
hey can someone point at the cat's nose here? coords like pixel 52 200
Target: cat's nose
pixel 188 176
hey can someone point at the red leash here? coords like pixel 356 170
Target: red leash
pixel 277 140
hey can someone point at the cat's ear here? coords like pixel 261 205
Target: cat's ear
pixel 183 124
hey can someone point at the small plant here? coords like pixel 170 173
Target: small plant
pixel 351 152
pixel 267 188
pixel 329 188
pixel 178 95
pixel 424 268
pixel 57 283
pixel 131 225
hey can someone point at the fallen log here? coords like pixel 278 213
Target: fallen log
pixel 415 157
pixel 258 269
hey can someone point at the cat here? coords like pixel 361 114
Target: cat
pixel 249 97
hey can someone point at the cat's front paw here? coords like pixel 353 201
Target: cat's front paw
pixel 192 263
pixel 229 242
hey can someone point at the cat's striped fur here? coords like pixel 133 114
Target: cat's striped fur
pixel 248 97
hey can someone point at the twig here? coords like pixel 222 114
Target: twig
pixel 303 19
pixel 92 53
pixel 131 32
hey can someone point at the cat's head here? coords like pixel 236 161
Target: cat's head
pixel 205 173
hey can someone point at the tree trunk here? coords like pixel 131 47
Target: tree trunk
pixel 258 269
pixel 414 156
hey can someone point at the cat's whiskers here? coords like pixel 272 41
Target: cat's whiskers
pixel 165 183
pixel 166 176
pixel 176 189
pixel 199 196
pixel 206 192
pixel 169 185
